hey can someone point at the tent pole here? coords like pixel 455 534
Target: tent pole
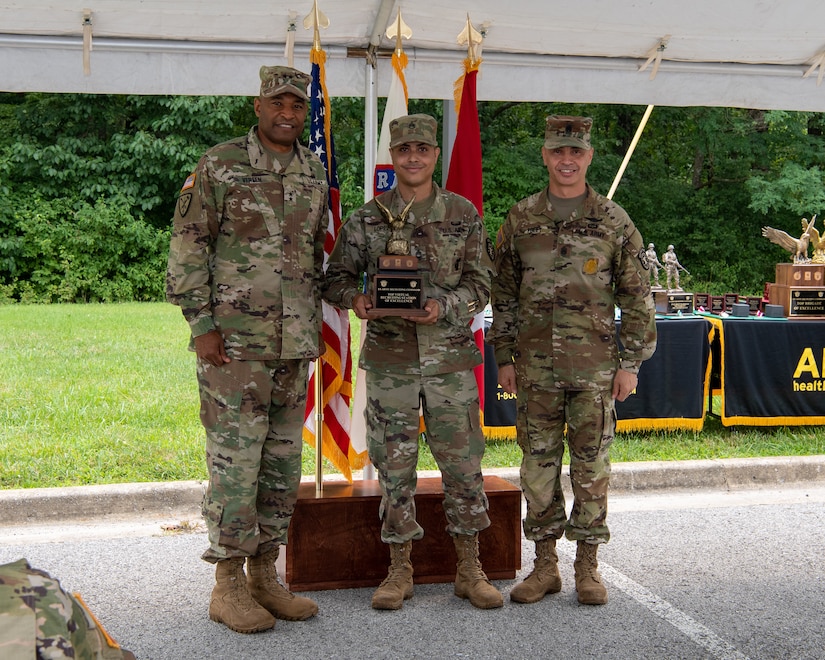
pixel 630 152
pixel 448 131
pixel 370 128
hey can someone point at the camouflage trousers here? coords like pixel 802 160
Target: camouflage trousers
pixel 590 421
pixel 38 618
pixel 253 414
pixel 451 414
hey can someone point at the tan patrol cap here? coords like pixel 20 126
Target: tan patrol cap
pixel 413 128
pixel 567 131
pixel 280 79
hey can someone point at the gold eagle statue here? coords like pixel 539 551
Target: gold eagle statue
pixel 798 247
pixel 817 244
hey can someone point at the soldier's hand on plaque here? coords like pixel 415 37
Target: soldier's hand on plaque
pixel 360 304
pixel 432 308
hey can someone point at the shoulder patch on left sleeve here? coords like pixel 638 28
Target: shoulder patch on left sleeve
pixel 500 236
pixel 643 258
pixel 184 201
pixel 491 250
pixel 189 183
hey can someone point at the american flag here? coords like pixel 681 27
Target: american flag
pixel 336 363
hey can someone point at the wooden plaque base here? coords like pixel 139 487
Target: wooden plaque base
pixel 800 274
pixel 799 302
pixel 335 540
pixel 673 302
pixel 397 288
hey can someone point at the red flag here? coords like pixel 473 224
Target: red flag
pixel 464 178
pixel 336 363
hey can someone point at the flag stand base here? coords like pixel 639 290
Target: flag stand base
pixel 335 540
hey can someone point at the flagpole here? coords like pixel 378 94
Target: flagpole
pixel 630 152
pixel 315 20
pixel 319 427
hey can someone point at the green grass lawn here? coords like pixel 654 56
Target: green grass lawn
pixel 93 394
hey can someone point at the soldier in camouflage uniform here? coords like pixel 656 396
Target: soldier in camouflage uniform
pixel 566 256
pixel 38 619
pixel 245 266
pixel 422 362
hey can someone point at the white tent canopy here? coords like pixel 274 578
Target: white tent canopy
pixel 764 54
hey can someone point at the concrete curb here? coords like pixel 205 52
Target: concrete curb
pixel 183 498
pixel 51 505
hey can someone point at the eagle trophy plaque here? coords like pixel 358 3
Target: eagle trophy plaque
pixel 397 287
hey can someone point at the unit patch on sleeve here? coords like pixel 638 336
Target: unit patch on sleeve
pixel 183 204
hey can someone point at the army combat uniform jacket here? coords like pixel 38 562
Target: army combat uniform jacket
pixel 554 295
pixel 248 235
pixel 39 619
pixel 455 261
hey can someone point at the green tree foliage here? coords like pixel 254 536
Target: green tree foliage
pixel 88 184
pixel 137 148
pixel 92 253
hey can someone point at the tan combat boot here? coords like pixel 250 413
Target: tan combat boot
pixel 588 581
pixel 470 580
pixel 544 579
pixel 267 590
pixel 398 585
pixel 231 603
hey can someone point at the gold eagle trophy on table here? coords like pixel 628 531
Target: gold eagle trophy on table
pixel 799 286
pixel 798 247
pixel 397 287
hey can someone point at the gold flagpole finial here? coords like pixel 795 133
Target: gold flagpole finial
pixel 398 30
pixel 316 20
pixel 472 37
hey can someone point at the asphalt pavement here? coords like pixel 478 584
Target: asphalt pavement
pixel 708 559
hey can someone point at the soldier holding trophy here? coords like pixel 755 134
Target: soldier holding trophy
pixel 419 351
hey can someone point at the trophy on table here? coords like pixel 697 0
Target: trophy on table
pixel 799 286
pixel 397 287
pixel 673 299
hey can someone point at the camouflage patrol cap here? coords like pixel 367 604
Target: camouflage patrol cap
pixel 567 131
pixel 280 79
pixel 413 128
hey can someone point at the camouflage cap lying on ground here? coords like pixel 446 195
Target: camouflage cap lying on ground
pixel 413 128
pixel 281 79
pixel 567 131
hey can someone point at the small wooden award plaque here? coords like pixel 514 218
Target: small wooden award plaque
pixel 397 288
pixel 754 303
pixel 717 304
